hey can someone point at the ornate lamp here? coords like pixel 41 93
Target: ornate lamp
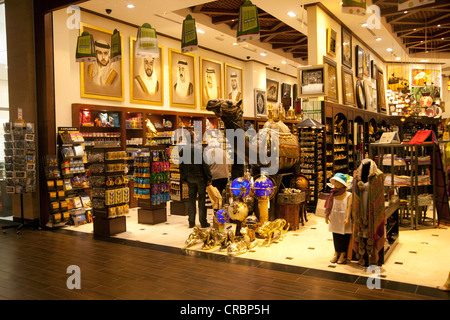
pixel 189 40
pixel 263 190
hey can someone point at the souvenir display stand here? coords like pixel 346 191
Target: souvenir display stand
pixel 20 160
pixel 152 186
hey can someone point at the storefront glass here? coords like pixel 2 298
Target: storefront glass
pixel 5 199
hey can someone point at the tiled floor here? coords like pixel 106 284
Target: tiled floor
pixel 421 258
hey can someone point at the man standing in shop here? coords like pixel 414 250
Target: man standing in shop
pixel 198 176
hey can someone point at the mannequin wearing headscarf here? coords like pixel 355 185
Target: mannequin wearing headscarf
pixel 211 89
pixel 183 87
pixel 368 213
pixel 101 72
pixel 147 78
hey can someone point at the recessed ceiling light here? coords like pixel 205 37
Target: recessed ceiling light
pixel 200 31
pixel 130 6
pixel 389 49
pixel 398 58
pixel 442 38
pixel 364 25
pixel 263 54
pixel 235 44
pixel 283 62
pixel 423 60
pixel 438 25
pixel 291 14
pixel 405 11
pixel 378 39
pixel 341 3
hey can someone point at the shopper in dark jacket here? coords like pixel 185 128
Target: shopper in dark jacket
pixel 198 177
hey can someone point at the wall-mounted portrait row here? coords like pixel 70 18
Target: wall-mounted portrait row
pixel 104 78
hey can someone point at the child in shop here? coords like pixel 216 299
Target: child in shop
pixel 338 208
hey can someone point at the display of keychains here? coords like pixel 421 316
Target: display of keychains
pixel 20 157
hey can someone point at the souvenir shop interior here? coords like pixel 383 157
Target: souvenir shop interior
pixel 349 106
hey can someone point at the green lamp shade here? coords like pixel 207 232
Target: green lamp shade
pixel 146 42
pixel 85 48
pixel 248 24
pixel 189 41
pixel 357 7
pixel 116 46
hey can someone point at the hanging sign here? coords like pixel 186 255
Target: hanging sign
pixel 146 42
pixel 189 40
pixel 357 7
pixel 116 46
pixel 408 4
pixel 85 48
pixel 248 25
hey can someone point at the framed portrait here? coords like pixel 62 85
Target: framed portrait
pixel 368 95
pixel 182 79
pixel 381 97
pixel 286 94
pixel 359 61
pixel 332 79
pixel 260 103
pixel 374 97
pixel 272 90
pixel 313 81
pixel 234 83
pixel 146 78
pixel 348 87
pixel 346 48
pixel 360 95
pixel 102 79
pixel 373 68
pixel 367 64
pixel 331 41
pixel 210 80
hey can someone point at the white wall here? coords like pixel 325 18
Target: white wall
pixel 67 70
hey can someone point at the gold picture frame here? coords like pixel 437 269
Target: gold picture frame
pixel 331 41
pixel 101 79
pixel 210 71
pixel 332 79
pixel 312 81
pixel 143 87
pixel 182 87
pixel 348 87
pixel 234 83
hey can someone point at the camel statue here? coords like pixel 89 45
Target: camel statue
pixel 272 132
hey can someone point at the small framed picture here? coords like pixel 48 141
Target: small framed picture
pixel 260 103
pixel 359 61
pixel 272 88
pixel 347 59
pixel 348 87
pixel 313 81
pixel 331 41
pixel 332 79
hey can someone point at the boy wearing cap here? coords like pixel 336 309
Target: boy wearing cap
pixel 338 208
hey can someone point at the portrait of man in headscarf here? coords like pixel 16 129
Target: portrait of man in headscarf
pixel 102 78
pixel 211 80
pixel 235 94
pixel 182 78
pixel 147 84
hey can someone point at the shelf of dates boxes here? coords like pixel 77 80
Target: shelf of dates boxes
pixel 72 159
pixel 151 184
pixel 310 143
pixel 110 193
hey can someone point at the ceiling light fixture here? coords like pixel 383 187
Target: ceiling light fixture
pixel 364 25
pixel 398 58
pixel 438 25
pixel 235 44
pixel 423 60
pixel 405 12
pixel 200 31
pixel 378 39
pixel 263 54
pixel 389 49
pixel 283 62
pixel 291 14
pixel 130 6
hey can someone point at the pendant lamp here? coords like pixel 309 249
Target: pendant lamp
pixel 146 42
pixel 357 7
pixel 248 23
pixel 116 46
pixel 85 48
pixel 189 41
